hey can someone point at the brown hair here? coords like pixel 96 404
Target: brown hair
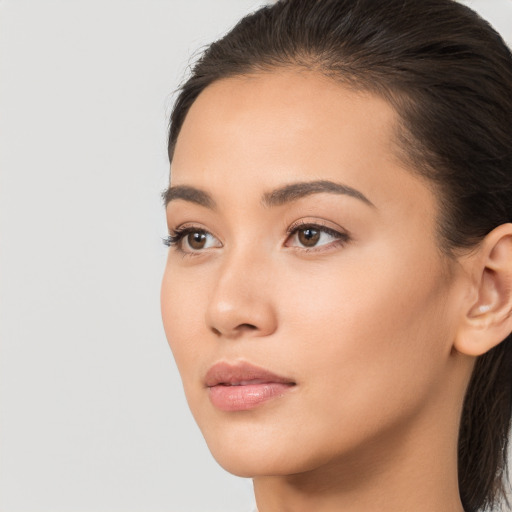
pixel 448 74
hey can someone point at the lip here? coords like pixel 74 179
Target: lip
pixel 243 386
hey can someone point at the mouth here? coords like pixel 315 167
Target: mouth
pixel 243 386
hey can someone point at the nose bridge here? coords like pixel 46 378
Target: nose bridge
pixel 241 300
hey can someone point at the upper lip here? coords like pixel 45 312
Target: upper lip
pixel 241 373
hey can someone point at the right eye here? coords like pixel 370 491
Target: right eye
pixel 189 240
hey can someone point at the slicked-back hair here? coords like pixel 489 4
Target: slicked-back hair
pixel 448 75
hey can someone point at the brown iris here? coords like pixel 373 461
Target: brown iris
pixel 308 236
pixel 196 239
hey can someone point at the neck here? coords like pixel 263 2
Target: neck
pixel 413 469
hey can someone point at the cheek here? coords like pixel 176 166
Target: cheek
pixel 183 304
pixel 375 332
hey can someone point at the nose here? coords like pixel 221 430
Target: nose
pixel 241 304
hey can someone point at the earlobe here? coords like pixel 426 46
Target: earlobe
pixel 488 320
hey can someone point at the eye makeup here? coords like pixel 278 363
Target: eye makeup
pixel 302 236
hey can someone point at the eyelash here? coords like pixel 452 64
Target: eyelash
pixel 174 239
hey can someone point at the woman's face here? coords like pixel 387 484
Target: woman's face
pixel 307 305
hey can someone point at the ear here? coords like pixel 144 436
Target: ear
pixel 488 319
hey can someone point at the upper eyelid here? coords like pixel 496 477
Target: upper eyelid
pixel 185 227
pixel 190 226
pixel 302 223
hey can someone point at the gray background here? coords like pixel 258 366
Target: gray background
pixel 92 416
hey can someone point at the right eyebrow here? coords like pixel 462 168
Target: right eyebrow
pixel 191 194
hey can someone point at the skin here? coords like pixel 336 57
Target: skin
pixel 364 324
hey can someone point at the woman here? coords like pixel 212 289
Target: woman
pixel 338 292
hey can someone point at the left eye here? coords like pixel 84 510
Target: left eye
pixel 314 236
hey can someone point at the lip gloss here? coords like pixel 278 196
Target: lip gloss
pixel 243 386
pixel 245 396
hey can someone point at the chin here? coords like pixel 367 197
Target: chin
pixel 258 449
pixel 256 462
pixel 251 450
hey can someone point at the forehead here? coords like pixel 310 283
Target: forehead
pixel 261 131
pixel 288 114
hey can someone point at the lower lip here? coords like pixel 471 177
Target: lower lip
pixel 243 398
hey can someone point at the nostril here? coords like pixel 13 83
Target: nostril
pixel 237 331
pixel 248 327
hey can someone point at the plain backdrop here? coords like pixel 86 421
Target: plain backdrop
pixel 92 415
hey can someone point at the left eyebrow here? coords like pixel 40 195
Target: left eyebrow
pixel 295 191
pixel 276 197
